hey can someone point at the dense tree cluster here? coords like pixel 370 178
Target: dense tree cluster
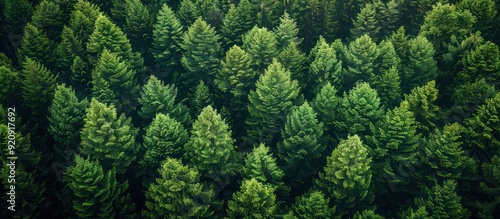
pixel 250 108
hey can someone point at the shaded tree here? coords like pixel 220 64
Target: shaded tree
pixel 286 32
pixel 253 200
pixel 366 23
pixel 260 44
pixel 138 25
pixel 419 66
pixel 313 205
pixel 48 17
pixel 422 103
pixel 360 61
pixel 238 21
pixel 261 166
pixel 295 61
pixel 37 46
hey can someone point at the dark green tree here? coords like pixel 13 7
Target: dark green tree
pixel 102 92
pixel 261 166
pixel 366 23
pixel 67 50
pixel 327 105
pixel 366 214
pixel 302 144
pixel 49 18
pixel 313 205
pixel 202 98
pixel 325 67
pixel 347 176
pixel 442 201
pixel 286 32
pixel 388 57
pixel 481 62
pixel 187 12
pixel 490 186
pixel 485 12
pixel 238 21
pixel 178 193
pixel 253 200
pixel 159 98
pixel 167 39
pixel 82 20
pixel 387 85
pixel 388 16
pixel 422 103
pixel 9 84
pixel 468 97
pixel 399 40
pixel 272 100
pixel 37 46
pixel 138 25
pixel 108 138
pixel 360 60
pixel 16 14
pixel 295 61
pixel 267 12
pixel 260 44
pixel 419 66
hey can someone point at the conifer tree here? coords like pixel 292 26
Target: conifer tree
pixel 202 98
pixel 82 20
pixel 187 12
pixel 235 75
pixel 347 176
pixel 313 205
pixel 102 92
pixel 253 200
pixel 36 45
pixel 387 86
pixel 286 32
pixel 66 119
pixel 468 97
pixel 67 50
pixel 238 21
pixel 490 186
pixel 421 101
pixel 108 138
pixel 267 12
pixel 260 44
pixel 268 107
pixel 261 166
pixel 295 61
pixel 327 104
pixel 9 84
pixel 202 52
pixel 138 25
pixel 481 62
pixel 485 12
pixel 94 189
pixel 360 108
pixel 360 60
pixel 442 201
pixel 325 67
pixel 366 214
pixel 366 23
pixel 167 37
pixel 38 85
pixel 388 57
pixel 302 144
pixel 211 148
pixel 420 213
pixel 49 18
pixel 177 192
pixel 388 15
pixel 400 42
pixel 159 98
pixel 27 157
pixel 16 14
pixel 420 66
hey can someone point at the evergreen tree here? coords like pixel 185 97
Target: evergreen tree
pixel 272 100
pixel 366 23
pixel 360 108
pixel 481 62
pixel 49 18
pixel 16 14
pixel 267 12
pixel 81 76
pixel 295 61
pixel 420 213
pixel 302 144
pixel 347 175
pixel 324 68
pixel 238 21
pixel 235 75
pixel 202 98
pixel 468 97
pixel 261 166
pixel 400 43
pixel 420 66
pixel 442 201
pixel 187 12
pixel 177 193
pixel 286 32
pixel 485 12
pixel 313 205
pixel 66 119
pixel 260 44
pixel 36 46
pixel 67 50
pixel 360 59
pixel 94 190
pixel 201 53
pixel 102 92
pixel 138 25
pixel 421 101
pixel 490 186
pixel 159 98
pixel 82 20
pixel 388 15
pixel 327 104
pixel 108 138
pixel 38 85
pixel 210 147
pixel 167 37
pixel 387 86
pixel 9 84
pixel 388 57
pixel 253 200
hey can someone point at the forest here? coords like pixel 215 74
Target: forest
pixel 250 109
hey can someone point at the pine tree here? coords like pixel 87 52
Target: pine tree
pixel 468 97
pixel 442 201
pixel 347 175
pixel 66 119
pixel 202 52
pixel 387 86
pixel 38 85
pixel 268 107
pixel 167 37
pixel 421 101
pixel 388 16
pixel 490 187
pixel 48 17
pixel 267 12
pixel 108 138
pixel 235 75
pixel 295 61
pixel 36 46
pixel 420 213
pixel 261 166
pixel 360 61
pixel 187 12
pixel 302 144
pixel 138 25
pixel 420 66
pixel 253 200
pixel 400 42
pixel 485 12
pixel 177 192
pixel 9 84
pixel 366 23
pixel 211 148
pixel 238 21
pixel 67 50
pixel 286 32
pixel 327 104
pixel 325 67
pixel 159 98
pixel 388 57
pixel 120 78
pixel 481 62
pixel 82 20
pixel 94 190
pixel 360 108
pixel 202 98
pixel 102 92
pixel 260 44
pixel 16 14
pixel 313 205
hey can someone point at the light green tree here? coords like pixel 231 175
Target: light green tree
pixel 260 44
pixel 366 23
pixel 253 200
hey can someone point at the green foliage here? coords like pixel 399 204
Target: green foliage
pixel 267 12
pixel 108 138
pixel 260 44
pixel 388 15
pixel 38 85
pixel 16 14
pixel 302 144
pixel 420 213
pixel 210 147
pixel 366 23
pixel 421 101
pixel 442 201
pixel 347 176
pixel 360 61
pixel 327 104
pixel 167 37
pixel 67 50
pixel 27 157
pixel 491 187
pixel 467 97
pixel 177 182
pixel 315 18
pixel 419 66
pixel 238 21
pixel 48 17
pixel 235 75
pixel 272 100
pixel 202 98
pixel 102 92
pixel 159 98
pixel 295 61
pixel 66 119
pixel 94 190
pixel 36 46
pixel 187 13
pixel 9 83
pixel 82 20
pixel 481 62
pixel 253 200
pixel 201 52
pixel 286 32
pixel 313 205
pixel 138 24
pixel 324 68
pixel 261 166
pixel 360 108
pixel 400 43
pixel 387 85
pixel 367 214
pixel 484 10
